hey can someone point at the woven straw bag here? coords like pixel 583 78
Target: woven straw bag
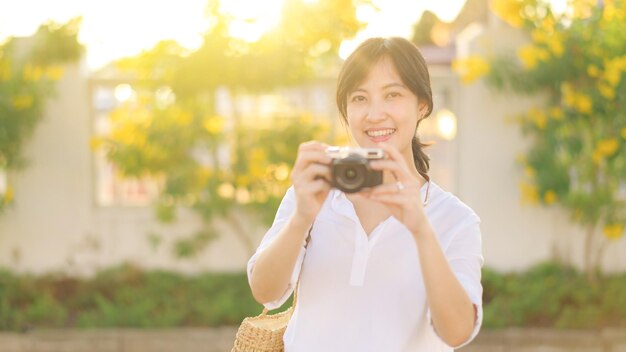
pixel 264 333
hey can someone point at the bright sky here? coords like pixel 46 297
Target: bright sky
pixel 116 28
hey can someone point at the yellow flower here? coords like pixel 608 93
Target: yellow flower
pixel 613 231
pixel 95 143
pixel 543 55
pixel 54 73
pixel 530 56
pixel 579 101
pixel 539 36
pixel 624 132
pixel 5 71
pixel 128 133
pixel 529 172
pixel 8 195
pixel 569 97
pixel 182 117
pixel 612 75
pixel 549 197
pixel 242 180
pixel 32 73
pixel 509 11
pixel 529 193
pixel 213 124
pixel 22 102
pixel 547 24
pixel 583 103
pixel 583 8
pixel 612 12
pixel 556 113
pixel 258 161
pixel 605 148
pixel 606 91
pixel 593 71
pixel 471 68
pixel 556 46
pixel 306 118
pixel 538 117
pixel 608 146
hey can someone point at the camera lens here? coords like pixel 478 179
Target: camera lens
pixel 350 174
pixel 350 177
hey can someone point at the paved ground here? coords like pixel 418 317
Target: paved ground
pixel 122 340
pixel 221 340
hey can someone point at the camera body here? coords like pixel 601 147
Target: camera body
pixel 350 169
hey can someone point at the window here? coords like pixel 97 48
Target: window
pixel 111 188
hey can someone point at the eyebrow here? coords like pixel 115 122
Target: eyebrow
pixel 386 86
pixel 394 85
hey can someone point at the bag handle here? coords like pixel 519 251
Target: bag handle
pixel 295 290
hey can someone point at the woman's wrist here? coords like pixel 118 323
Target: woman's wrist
pixel 300 224
pixel 423 232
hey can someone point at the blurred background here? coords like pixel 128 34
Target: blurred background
pixel 145 147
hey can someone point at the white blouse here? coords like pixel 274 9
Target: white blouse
pixel 360 293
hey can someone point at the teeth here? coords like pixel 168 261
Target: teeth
pixel 380 132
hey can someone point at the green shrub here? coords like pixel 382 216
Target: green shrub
pixel 547 295
pixel 550 295
pixel 124 296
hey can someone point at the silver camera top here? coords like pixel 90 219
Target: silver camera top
pixel 342 152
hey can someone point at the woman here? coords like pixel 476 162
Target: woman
pixel 392 268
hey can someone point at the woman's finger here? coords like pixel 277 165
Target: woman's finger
pixel 308 157
pixel 392 153
pixel 315 171
pixel 392 199
pixel 389 165
pixel 409 188
pixel 312 145
pixel 318 186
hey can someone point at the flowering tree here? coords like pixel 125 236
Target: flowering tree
pixel 26 82
pixel 184 148
pixel 576 60
pixel 220 167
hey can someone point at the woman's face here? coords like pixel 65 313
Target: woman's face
pixel 383 109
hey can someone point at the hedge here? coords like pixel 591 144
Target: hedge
pixel 547 295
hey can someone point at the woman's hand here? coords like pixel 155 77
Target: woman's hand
pixel 402 197
pixel 311 180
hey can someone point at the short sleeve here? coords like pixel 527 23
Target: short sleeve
pixel 285 210
pixel 464 254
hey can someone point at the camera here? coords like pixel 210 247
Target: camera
pixel 350 169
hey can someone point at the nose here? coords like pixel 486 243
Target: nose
pixel 376 112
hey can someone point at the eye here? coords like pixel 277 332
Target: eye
pixel 393 94
pixel 357 99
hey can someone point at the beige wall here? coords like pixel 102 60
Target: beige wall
pixel 515 236
pixel 55 223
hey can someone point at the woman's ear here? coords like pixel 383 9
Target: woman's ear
pixel 421 110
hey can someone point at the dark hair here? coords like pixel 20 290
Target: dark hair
pixel 411 67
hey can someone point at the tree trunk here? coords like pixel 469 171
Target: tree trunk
pixel 241 234
pixel 597 264
pixel 590 270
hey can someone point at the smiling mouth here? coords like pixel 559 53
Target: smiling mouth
pixel 380 133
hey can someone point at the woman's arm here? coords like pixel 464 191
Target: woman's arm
pixel 452 313
pixel 273 268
